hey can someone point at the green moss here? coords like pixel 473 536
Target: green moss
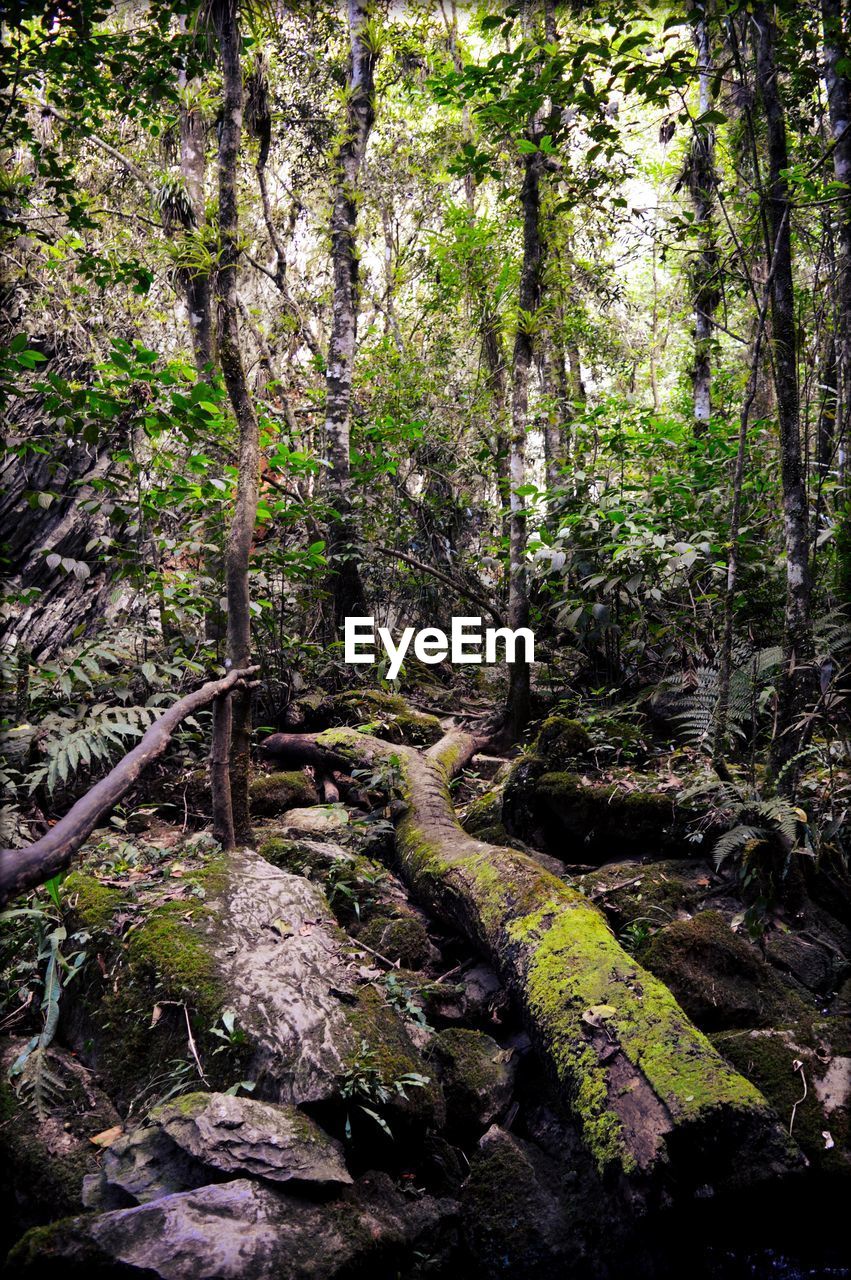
pixel 402 938
pixel 274 793
pixel 576 967
pixel 376 1025
pixel 720 978
pixel 561 740
pixel 387 715
pixel 92 902
pixel 767 1057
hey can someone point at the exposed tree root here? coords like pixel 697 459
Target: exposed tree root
pixel 655 1103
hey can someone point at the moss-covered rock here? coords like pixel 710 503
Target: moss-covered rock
pixel 719 978
pixel 274 793
pixel 157 947
pixel 242 1228
pixel 579 821
pixel 561 741
pixel 803 1078
pixel 651 894
pixel 515 1220
pixel 477 1077
pixel 483 817
pixel 403 938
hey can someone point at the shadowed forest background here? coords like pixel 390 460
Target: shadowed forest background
pixel 535 314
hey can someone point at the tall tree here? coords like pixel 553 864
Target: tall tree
pixel 529 299
pixel 195 276
pixel 837 61
pixel 241 531
pixel 346 585
pixel 701 182
pixel 798 636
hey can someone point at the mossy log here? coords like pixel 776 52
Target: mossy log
pixel 655 1102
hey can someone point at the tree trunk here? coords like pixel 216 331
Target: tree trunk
pixel 22 869
pixel 837 50
pixel 797 640
pixel 701 185
pixel 529 300
pixel 195 280
pixel 346 585
pixel 241 531
pixel 653 1100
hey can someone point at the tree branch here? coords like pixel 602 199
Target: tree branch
pixel 22 869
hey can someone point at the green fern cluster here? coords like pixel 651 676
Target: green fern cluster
pixel 85 737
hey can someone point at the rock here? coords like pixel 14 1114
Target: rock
pixel 240 1136
pixel 648 893
pixel 324 820
pixel 287 968
pixel 304 857
pixel 780 1061
pixel 561 741
pixel 816 967
pixel 45 1158
pixel 475 996
pixel 718 977
pixel 515 1220
pixel 241 937
pixel 139 1167
pixel 241 1230
pixel 403 938
pixel 581 820
pixel 273 793
pixel 477 1077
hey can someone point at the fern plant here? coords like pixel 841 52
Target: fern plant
pixel 763 837
pixel 34 1072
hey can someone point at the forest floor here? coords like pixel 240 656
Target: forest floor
pixel 282 1064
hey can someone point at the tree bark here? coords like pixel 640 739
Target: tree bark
pixel 241 531
pixel 837 50
pixel 701 184
pixel 651 1096
pixel 518 709
pixel 22 869
pixel 346 585
pixel 196 280
pixel 798 639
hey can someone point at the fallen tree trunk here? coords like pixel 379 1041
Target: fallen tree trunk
pixel 655 1103
pixel 22 869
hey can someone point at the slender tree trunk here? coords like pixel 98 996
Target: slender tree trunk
pixel 196 280
pixel 241 531
pixel 529 300
pixel 798 641
pixel 837 50
pixel 701 183
pixel 346 585
pixel 489 329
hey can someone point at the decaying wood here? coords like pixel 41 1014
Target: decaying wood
pixel 635 1071
pixel 22 869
